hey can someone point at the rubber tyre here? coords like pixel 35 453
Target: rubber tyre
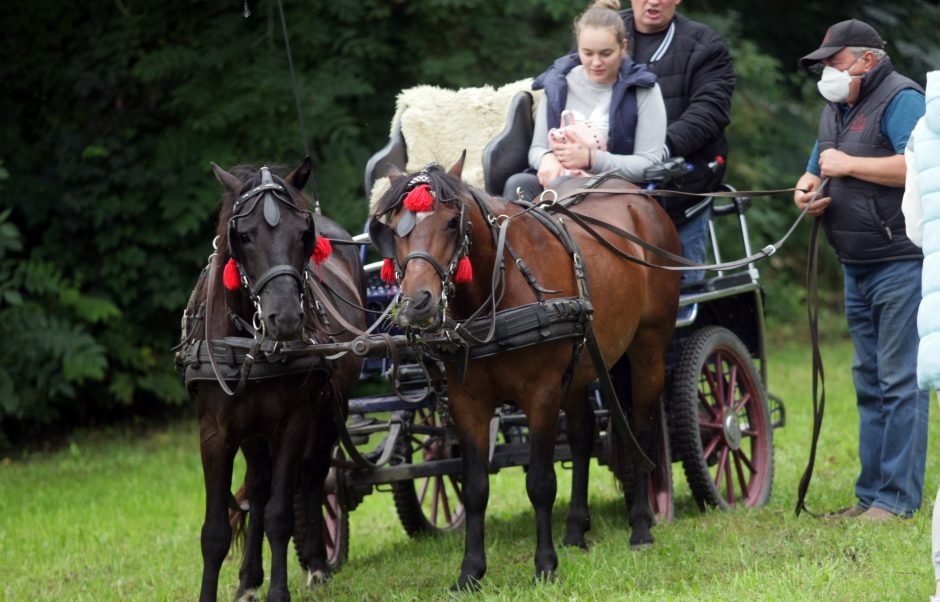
pixel 335 520
pixel 720 421
pixel 430 505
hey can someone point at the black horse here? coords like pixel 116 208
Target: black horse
pixel 273 286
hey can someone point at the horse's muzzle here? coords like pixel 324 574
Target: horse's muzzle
pixel 419 311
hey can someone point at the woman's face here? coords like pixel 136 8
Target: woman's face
pixel 600 54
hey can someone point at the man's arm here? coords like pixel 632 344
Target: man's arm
pixel 709 111
pixel 887 171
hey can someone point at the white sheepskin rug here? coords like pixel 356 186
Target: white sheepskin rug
pixel 438 124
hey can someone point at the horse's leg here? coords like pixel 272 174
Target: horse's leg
pixel 279 511
pixel 647 375
pixel 316 466
pixel 258 487
pixel 472 419
pixel 217 458
pixel 580 431
pixel 541 484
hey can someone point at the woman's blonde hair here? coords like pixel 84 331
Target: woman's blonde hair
pixel 602 14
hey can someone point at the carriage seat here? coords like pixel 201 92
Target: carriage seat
pixel 432 124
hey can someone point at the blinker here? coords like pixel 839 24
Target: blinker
pixel 406 223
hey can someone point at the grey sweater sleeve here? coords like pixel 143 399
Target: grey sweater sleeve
pixel 539 146
pixel 648 142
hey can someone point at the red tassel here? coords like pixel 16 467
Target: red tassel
pixel 388 271
pixel 322 250
pixel 230 277
pixel 419 199
pixel 464 271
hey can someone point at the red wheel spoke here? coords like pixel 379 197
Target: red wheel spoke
pixel 729 478
pixel 709 425
pixel 444 505
pixel 731 386
pixel 745 398
pixel 720 378
pixel 424 490
pixel 456 485
pixel 704 401
pixel 710 448
pixel 435 501
pixel 741 478
pixel 719 474
pixel 713 387
pixel 740 455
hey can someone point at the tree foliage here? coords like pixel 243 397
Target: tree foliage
pixel 113 112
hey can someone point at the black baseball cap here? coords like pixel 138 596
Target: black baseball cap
pixel 843 35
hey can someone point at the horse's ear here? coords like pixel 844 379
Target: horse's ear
pixel 457 169
pixel 230 182
pixel 394 173
pixel 298 178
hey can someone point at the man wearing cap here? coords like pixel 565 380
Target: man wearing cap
pixel 860 151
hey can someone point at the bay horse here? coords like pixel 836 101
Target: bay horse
pixel 262 295
pixel 430 237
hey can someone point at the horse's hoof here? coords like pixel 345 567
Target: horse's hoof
pixel 317 577
pixel 641 538
pixel 543 577
pixel 575 542
pixel 466 584
pixel 249 595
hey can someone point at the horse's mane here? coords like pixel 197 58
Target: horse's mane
pixel 446 188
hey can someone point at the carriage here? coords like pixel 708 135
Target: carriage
pixel 717 419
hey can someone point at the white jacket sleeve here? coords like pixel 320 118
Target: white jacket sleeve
pixel 911 203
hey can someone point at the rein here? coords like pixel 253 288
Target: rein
pixel 819 381
pixel 561 204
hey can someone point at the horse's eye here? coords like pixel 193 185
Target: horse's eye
pixel 244 238
pixel 452 224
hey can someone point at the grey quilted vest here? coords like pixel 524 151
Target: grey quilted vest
pixel 864 223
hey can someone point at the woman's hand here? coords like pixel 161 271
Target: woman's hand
pixel 549 169
pixel 572 156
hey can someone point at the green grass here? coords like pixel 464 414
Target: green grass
pixel 117 516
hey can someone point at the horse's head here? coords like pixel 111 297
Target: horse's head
pixel 421 227
pixel 269 235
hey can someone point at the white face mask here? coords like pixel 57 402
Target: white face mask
pixel 834 85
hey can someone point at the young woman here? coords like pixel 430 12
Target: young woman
pixel 603 89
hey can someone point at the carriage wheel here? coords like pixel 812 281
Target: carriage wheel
pixel 720 421
pixel 659 480
pixel 429 505
pixel 335 520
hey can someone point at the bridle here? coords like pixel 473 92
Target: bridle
pixel 384 239
pixel 270 193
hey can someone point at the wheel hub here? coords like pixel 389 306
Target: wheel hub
pixel 732 430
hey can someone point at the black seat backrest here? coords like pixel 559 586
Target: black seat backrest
pixel 508 152
pixel 394 153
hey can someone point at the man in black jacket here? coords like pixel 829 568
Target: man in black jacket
pixel 695 74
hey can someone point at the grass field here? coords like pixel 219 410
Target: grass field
pixel 117 515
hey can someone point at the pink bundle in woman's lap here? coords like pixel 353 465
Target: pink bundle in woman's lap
pixel 572 132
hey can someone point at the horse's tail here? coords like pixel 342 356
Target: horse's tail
pixel 238 520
